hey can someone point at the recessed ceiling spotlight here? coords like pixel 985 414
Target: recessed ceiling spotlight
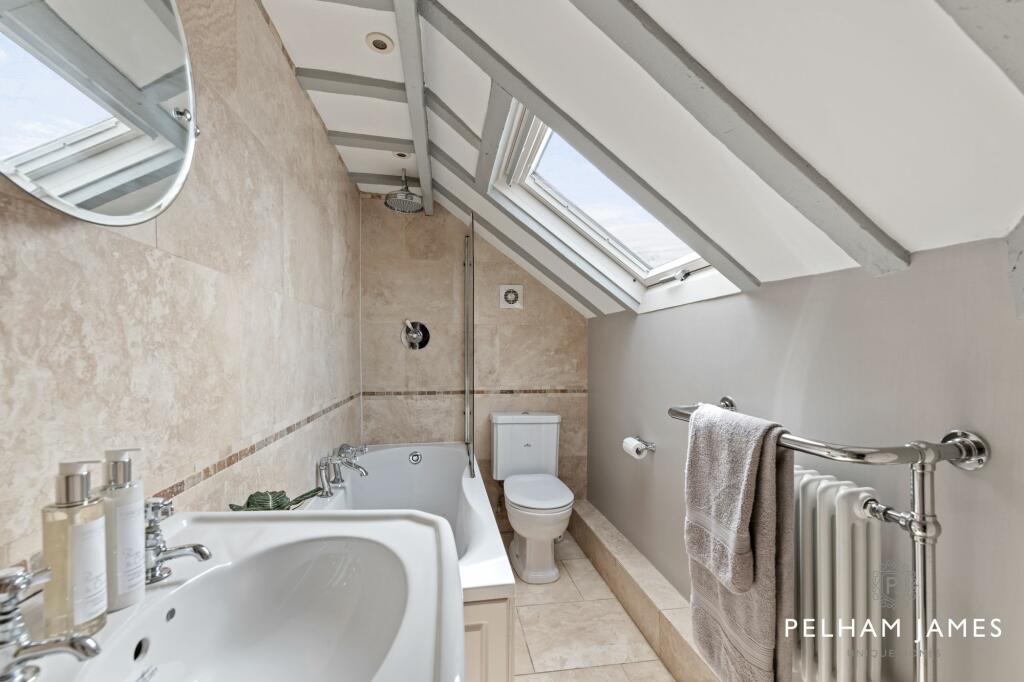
pixel 378 42
pixel 401 155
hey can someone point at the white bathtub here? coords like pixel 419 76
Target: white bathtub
pixel 439 484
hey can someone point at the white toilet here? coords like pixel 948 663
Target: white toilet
pixel 525 457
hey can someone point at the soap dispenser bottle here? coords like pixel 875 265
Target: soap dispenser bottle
pixel 74 548
pixel 126 531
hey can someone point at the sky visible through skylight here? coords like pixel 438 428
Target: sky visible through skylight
pixel 38 106
pixel 576 179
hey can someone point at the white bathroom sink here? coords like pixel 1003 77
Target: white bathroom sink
pixel 310 596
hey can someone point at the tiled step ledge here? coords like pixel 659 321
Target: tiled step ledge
pixel 657 608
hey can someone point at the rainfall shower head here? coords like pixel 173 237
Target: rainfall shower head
pixel 402 200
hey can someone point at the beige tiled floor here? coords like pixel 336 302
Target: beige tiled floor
pixel 574 630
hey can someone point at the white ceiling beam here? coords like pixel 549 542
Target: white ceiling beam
pixel 997 26
pixel 381 179
pixel 618 172
pixel 745 134
pixel 380 5
pixel 322 80
pixel 40 31
pixel 448 115
pixel 1015 248
pixel 363 141
pixel 407 18
pixel 516 215
pixel 531 225
pixel 518 249
pixel 498 104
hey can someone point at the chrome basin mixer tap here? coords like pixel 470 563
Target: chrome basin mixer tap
pixel 157 551
pixel 16 586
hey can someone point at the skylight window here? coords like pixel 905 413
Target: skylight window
pixel 549 168
pixel 623 223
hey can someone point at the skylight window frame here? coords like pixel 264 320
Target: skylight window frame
pixel 528 145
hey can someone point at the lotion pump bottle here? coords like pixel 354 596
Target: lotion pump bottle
pixel 74 548
pixel 125 530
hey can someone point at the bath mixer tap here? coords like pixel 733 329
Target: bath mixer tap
pixel 348 457
pixel 328 468
pixel 16 585
pixel 157 551
pixel 328 476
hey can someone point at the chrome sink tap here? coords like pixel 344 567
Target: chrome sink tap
pixel 16 585
pixel 157 551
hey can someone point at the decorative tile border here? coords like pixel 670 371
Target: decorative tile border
pixel 478 391
pixel 530 391
pixel 392 394
pixel 236 457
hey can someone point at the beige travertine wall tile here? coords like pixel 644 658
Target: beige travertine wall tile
pixel 572 439
pixel 412 268
pixel 412 419
pixel 239 318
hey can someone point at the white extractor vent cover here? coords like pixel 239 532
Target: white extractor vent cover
pixel 511 296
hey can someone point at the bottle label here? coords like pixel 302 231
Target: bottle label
pixel 131 559
pixel 88 570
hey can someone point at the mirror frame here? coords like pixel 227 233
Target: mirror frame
pixel 173 191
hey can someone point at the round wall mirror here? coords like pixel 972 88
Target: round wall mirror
pixel 96 105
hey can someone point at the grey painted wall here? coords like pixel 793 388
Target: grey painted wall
pixel 849 358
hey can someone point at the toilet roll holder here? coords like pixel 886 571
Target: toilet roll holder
pixel 646 448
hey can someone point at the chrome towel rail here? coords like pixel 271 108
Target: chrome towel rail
pixel 960 448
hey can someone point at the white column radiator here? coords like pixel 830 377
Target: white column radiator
pixel 838 555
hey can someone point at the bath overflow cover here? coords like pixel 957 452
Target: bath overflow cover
pixel 415 457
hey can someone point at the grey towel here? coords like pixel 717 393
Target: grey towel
pixel 739 535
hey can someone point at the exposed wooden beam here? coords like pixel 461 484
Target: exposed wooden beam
pixel 389 144
pixel 381 5
pixel 498 104
pixel 745 134
pixel 997 26
pixel 534 227
pixel 451 164
pixel 125 181
pixel 1015 249
pixel 407 18
pixel 518 249
pixel 448 115
pixel 320 80
pixel 349 84
pixel 381 179
pixel 614 168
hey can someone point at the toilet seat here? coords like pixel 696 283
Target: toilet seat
pixel 538 493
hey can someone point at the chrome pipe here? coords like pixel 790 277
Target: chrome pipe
pixel 468 324
pixel 924 534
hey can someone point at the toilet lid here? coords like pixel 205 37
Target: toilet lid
pixel 537 491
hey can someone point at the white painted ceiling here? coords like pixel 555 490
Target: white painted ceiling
pixel 893 103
